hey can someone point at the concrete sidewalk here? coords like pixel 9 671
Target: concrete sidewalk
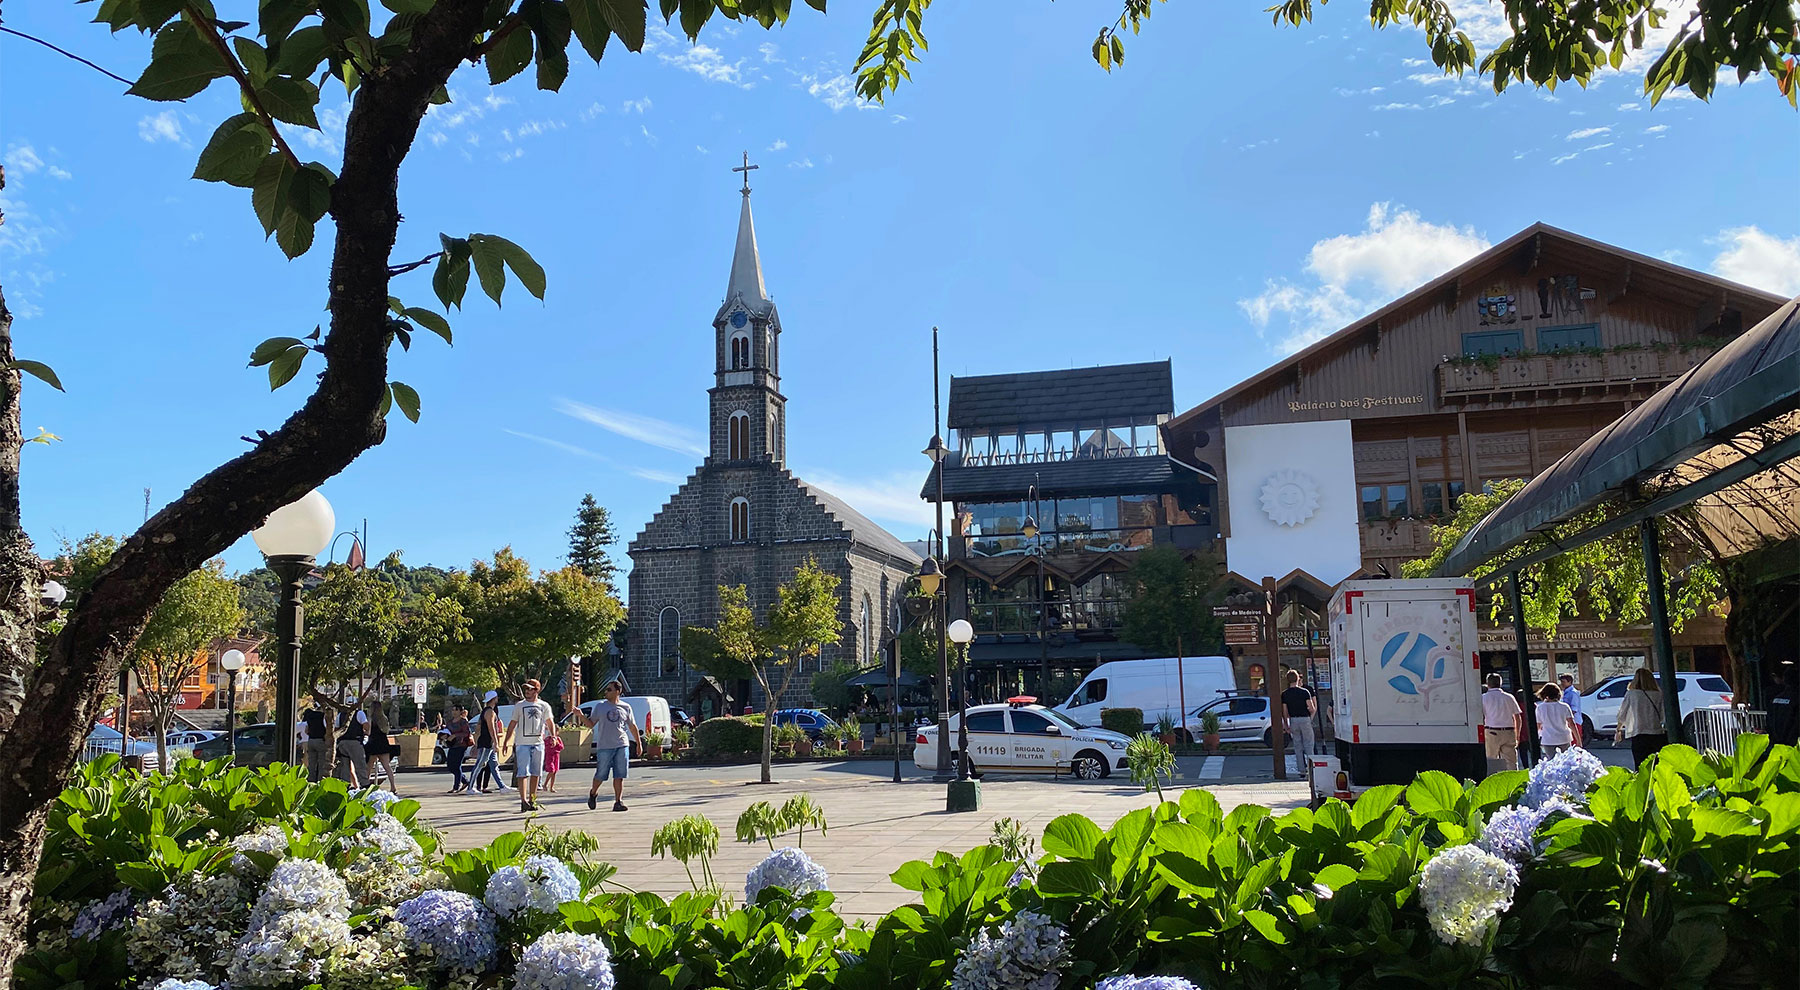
pixel 875 825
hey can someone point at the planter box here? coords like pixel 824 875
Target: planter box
pixel 578 745
pixel 415 749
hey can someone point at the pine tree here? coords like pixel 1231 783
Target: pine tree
pixel 588 540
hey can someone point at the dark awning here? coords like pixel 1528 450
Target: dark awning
pixel 1096 476
pixel 879 678
pixel 1716 438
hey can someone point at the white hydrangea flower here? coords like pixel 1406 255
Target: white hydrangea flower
pixel 388 836
pixel 1464 890
pixel 173 984
pixel 295 946
pixel 271 839
pixel 189 932
pixel 789 869
pixel 541 883
pixel 380 797
pixel 1029 953
pixel 301 885
pixel 565 961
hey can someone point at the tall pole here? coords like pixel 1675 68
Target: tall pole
pixel 1659 630
pixel 231 714
pixel 291 569
pixel 1277 731
pixel 943 644
pixel 1522 671
pixel 962 718
pixel 1037 512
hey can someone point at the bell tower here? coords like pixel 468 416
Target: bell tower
pixel 749 413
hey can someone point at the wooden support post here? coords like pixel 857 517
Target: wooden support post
pixel 1660 641
pixel 1522 671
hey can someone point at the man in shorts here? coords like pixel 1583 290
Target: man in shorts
pixel 615 728
pixel 531 719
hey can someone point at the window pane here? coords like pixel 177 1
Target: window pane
pixel 1064 442
pixel 1006 448
pixel 1568 338
pixel 1096 690
pixel 1493 342
pixel 1456 492
pixel 1030 723
pixel 987 722
pixel 1431 498
pixel 1032 446
pixel 1397 501
pixel 1371 502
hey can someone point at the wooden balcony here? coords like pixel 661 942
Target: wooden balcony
pixel 1396 539
pixel 1549 377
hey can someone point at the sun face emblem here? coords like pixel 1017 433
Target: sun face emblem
pixel 1289 498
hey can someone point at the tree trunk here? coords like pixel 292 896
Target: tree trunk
pixel 160 725
pixel 19 579
pixel 768 753
pixel 339 421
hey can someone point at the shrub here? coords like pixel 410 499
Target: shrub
pixel 728 736
pixel 1125 721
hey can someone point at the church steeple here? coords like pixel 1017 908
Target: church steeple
pixel 748 410
pixel 746 285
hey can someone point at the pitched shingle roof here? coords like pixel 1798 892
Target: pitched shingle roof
pixel 1045 398
pixel 858 525
pixel 1098 476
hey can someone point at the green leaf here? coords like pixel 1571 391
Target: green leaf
pixel 1072 837
pixel 1434 792
pixel 235 152
pixel 291 100
pixel 1497 789
pixel 590 26
pixel 276 18
pixel 387 402
pixel 265 189
pixel 302 51
pixel 351 16
pixel 182 64
pixel 1374 804
pixel 406 399
pixel 1077 878
pixel 271 349
pixel 552 68
pixel 1197 804
pixel 694 15
pixel 429 320
pixel 509 56
pixel 38 370
pixel 627 19
pixel 253 57
pixel 283 369
pixel 1266 925
pixel 529 273
pixel 488 266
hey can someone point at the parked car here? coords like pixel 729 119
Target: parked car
pixel 192 737
pixel 255 745
pixel 106 739
pixel 1241 719
pixel 1600 703
pixel 810 720
pixel 1027 738
pixel 680 717
pixel 653 713
pixel 1157 687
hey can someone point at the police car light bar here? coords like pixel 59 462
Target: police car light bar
pixel 1021 699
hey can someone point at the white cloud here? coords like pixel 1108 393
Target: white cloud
pixel 838 92
pixel 702 149
pixel 1757 258
pixel 437 138
pixel 1588 132
pixel 898 118
pixel 512 154
pixel 22 159
pixel 1397 106
pixel 1628 107
pixel 593 110
pixel 164 126
pixel 1432 78
pixel 644 429
pixel 59 173
pixel 768 51
pixel 801 163
pixel 648 474
pixel 1656 128
pixel 1354 274
pixel 648 136
pixel 329 137
pixel 635 106
pixel 1413 63
pixel 891 499
pixel 651 474
pixel 1597 147
pixel 1559 159
pixel 704 61
pixel 778 145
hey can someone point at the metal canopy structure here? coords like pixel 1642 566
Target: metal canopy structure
pixel 1717 441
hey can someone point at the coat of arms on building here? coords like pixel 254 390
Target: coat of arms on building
pixel 1289 498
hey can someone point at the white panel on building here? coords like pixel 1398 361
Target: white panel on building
pixel 1292 499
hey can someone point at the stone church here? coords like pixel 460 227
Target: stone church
pixel 743 518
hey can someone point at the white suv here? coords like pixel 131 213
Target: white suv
pixel 1027 738
pixel 1600 703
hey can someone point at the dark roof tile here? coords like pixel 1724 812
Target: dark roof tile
pixel 1045 398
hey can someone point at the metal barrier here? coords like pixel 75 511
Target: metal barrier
pixel 1716 729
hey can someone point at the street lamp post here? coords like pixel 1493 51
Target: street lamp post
pixel 290 539
pixel 930 578
pixel 1031 531
pixel 231 661
pixel 960 633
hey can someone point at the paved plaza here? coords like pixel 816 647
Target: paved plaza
pixel 875 825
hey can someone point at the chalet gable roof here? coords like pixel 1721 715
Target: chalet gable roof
pixel 1071 396
pixel 1537 246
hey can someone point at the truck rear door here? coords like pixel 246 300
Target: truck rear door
pixel 1417 664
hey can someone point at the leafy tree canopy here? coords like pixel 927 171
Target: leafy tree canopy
pixel 588 540
pixel 362 627
pixel 523 627
pixel 198 609
pixel 1170 611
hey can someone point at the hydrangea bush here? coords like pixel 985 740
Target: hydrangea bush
pixel 1029 952
pixel 788 868
pixel 540 884
pixel 565 961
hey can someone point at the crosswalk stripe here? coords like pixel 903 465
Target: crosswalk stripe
pixel 1213 768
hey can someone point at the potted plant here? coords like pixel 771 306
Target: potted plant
pixel 653 745
pixel 803 744
pixel 787 738
pixel 1165 729
pixel 684 739
pixel 415 747
pixel 576 736
pixel 1209 730
pixel 852 735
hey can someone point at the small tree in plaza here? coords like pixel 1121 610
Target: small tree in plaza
pixel 362 630
pixel 1172 595
pixel 804 618
pixel 201 607
pixel 588 540
pixel 522 628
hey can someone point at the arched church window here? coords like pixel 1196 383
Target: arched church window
pixel 868 632
pixel 737 446
pixel 740 351
pixel 668 640
pixel 740 519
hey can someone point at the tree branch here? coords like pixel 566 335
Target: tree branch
pixel 69 54
pixel 512 21
pixel 237 72
pixel 409 266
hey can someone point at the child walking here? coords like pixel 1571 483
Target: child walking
pixel 553 747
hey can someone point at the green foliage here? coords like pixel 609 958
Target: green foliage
pixel 521 627
pixel 727 736
pixel 1016 844
pixel 1151 763
pixel 833 692
pixel 360 627
pixel 689 838
pixel 763 822
pixel 1172 595
pixel 1209 722
pixel 588 540
pixel 1605 578
pixel 199 608
pixel 1124 721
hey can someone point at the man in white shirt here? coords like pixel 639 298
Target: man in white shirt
pixel 1572 698
pixel 531 719
pixel 1503 724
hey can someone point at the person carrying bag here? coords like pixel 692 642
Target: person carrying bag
pixel 1641 717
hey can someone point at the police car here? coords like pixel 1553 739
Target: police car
pixel 1021 736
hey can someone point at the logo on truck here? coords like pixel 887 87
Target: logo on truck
pixel 1415 665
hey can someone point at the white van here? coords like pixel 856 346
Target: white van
pixel 1151 685
pixel 651 712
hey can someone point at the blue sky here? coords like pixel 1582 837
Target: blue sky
pixel 1230 193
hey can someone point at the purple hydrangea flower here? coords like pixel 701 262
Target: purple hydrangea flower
pixel 789 869
pixel 565 961
pixel 99 917
pixel 1145 983
pixel 174 984
pixel 541 884
pixel 454 929
pixel 1567 775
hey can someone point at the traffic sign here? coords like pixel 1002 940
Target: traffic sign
pixel 1243 633
pixel 418 690
pixel 1227 612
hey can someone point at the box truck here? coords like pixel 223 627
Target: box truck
pixel 1405 665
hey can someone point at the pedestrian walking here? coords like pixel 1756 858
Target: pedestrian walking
pixel 615 727
pixel 318 742
pixel 381 750
pixel 553 749
pixel 487 737
pixel 352 755
pixel 532 718
pixel 1298 707
pixel 1784 710
pixel 1503 724
pixel 1557 728
pixel 457 747
pixel 1641 717
pixel 1572 698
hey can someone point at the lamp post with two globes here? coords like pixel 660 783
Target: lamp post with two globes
pixel 231 661
pixel 290 539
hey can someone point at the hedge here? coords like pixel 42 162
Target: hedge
pixel 727 736
pixel 1128 721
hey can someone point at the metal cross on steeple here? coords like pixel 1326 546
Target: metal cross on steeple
pixel 746 168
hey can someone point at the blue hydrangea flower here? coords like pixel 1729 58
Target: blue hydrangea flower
pixel 789 869
pixel 1145 983
pixel 1464 890
pixel 541 884
pixel 1019 877
pixel 1511 833
pixel 1029 953
pixel 565 961
pixel 174 984
pixel 454 929
pixel 301 885
pixel 380 797
pixel 101 916
pixel 1567 775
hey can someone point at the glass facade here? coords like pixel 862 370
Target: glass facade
pixel 1112 522
pixel 1095 604
pixel 1129 436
